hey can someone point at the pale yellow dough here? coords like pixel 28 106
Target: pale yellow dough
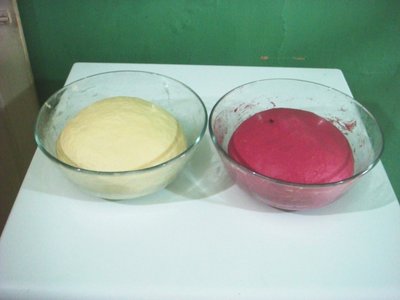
pixel 120 134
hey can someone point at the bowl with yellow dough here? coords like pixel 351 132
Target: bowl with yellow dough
pixel 122 134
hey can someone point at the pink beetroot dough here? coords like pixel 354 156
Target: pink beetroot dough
pixel 294 146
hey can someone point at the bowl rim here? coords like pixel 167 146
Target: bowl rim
pixel 114 173
pixel 288 183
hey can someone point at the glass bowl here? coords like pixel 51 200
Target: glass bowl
pixel 175 97
pixel 349 116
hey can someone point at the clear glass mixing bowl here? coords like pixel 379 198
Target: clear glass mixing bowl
pixel 357 124
pixel 175 97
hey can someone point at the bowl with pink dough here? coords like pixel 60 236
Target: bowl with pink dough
pixel 294 144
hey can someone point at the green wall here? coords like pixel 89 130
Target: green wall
pixel 360 37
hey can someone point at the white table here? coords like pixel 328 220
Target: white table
pixel 201 238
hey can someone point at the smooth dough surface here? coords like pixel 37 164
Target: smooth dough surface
pixel 292 145
pixel 120 134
